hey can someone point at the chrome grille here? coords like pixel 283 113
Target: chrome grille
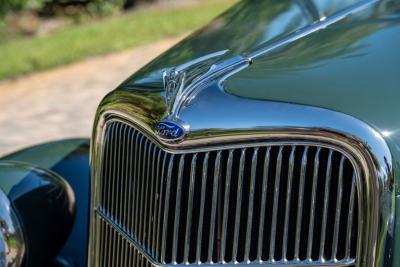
pixel 270 204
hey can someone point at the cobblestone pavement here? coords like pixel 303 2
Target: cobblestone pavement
pixel 61 103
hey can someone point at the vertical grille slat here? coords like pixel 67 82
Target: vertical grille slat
pixel 177 209
pixel 157 179
pixel 325 210
pixel 159 216
pixel 202 207
pixel 153 199
pixel 237 206
pixel 190 209
pixel 350 218
pixel 338 209
pixel 288 203
pixel 128 183
pixel 226 205
pixel 122 174
pixel 214 200
pixel 138 182
pixel 251 205
pixel 275 204
pixel 167 200
pixel 312 209
pixel 261 229
pixel 142 193
pixel 148 196
pixel 300 203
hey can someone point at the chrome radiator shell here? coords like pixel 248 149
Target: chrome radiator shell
pixel 361 144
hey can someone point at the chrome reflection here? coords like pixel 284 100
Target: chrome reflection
pixel 12 246
pixel 357 141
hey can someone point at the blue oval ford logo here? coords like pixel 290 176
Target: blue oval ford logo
pixel 170 131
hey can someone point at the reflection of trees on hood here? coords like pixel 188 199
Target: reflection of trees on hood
pixel 339 40
pixel 151 104
pixel 239 29
pixel 253 24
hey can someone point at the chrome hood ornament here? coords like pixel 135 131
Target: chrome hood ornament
pixel 184 82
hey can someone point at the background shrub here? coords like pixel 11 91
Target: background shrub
pixel 7 6
pixel 53 7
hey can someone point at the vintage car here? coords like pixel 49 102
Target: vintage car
pixel 271 137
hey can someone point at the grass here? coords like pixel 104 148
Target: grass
pixel 22 56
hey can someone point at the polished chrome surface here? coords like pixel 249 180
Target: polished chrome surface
pixel 298 123
pixel 12 245
pixel 223 122
pixel 182 85
pixel 176 79
pixel 196 211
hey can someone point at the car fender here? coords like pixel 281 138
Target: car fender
pixel 69 159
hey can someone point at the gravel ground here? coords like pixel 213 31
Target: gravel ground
pixel 61 103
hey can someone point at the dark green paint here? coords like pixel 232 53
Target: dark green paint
pixel 45 206
pixel 69 159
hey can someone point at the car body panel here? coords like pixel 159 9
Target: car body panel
pixel 45 207
pixel 69 159
pixel 351 66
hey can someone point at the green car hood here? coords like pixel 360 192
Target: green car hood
pixel 351 66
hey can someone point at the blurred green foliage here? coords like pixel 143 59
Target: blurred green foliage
pixel 114 33
pixel 50 7
pixel 7 6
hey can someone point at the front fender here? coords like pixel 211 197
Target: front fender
pixel 69 159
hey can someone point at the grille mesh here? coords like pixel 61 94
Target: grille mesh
pixel 269 204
